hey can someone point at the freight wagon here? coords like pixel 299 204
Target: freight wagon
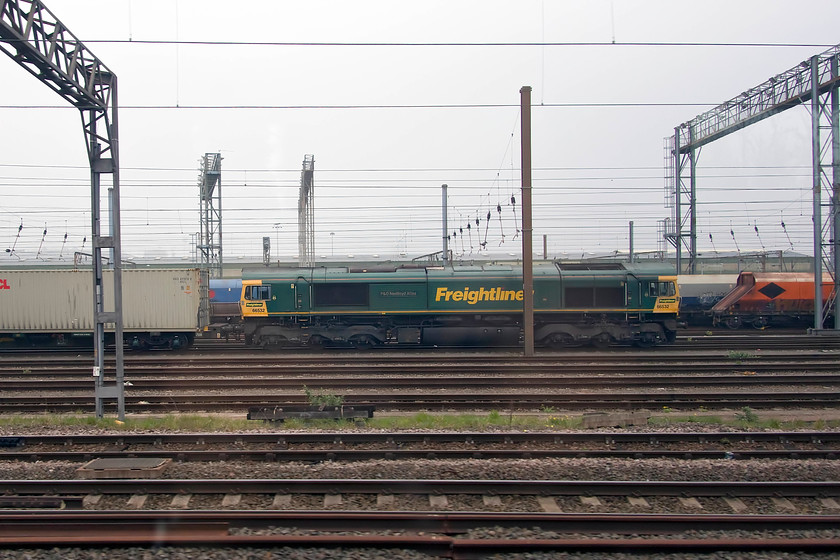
pixel 699 292
pixel 460 305
pixel 765 299
pixel 162 308
pixel 224 299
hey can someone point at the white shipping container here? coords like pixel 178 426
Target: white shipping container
pixel 56 301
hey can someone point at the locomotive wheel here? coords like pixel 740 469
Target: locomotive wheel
pixel 363 342
pixel 561 340
pixel 760 323
pixel 603 340
pixel 647 340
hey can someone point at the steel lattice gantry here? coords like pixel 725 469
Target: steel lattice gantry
pixel 34 38
pixel 210 208
pixel 306 213
pixel 813 83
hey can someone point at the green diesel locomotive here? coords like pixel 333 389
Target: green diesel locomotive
pixel 458 305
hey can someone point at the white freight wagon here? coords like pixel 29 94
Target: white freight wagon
pixel 161 307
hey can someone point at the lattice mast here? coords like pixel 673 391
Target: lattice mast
pixel 210 210
pixel 306 213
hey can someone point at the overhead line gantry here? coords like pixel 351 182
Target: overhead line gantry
pixel 813 83
pixel 34 38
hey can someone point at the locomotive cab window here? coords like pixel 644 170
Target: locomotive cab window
pixel 258 292
pixel 661 289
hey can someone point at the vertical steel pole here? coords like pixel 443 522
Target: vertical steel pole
pixel 692 205
pixel 527 228
pixel 116 239
pixel 677 200
pixel 630 257
pixel 835 186
pixel 817 192
pixel 445 222
pixel 98 284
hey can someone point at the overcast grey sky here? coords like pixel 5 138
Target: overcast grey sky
pixel 388 124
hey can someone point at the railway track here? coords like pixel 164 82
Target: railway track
pixel 217 380
pixel 337 446
pixel 173 364
pixel 191 382
pixel 693 339
pixel 385 492
pixel 444 535
pixel 430 495
pixel 566 401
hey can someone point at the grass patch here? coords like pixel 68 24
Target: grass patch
pixel 494 421
pixel 747 416
pixel 694 419
pixel 739 355
pixel 321 398
pixel 745 419
pixel 198 423
pixel 185 423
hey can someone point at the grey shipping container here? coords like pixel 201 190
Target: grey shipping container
pixel 61 301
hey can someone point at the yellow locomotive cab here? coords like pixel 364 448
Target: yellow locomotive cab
pixel 254 299
pixel 667 295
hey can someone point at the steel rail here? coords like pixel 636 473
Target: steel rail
pixel 344 455
pixel 396 359
pixel 716 489
pixel 452 401
pixel 454 522
pixel 747 378
pixel 351 447
pixel 395 439
pixel 441 530
pixel 444 547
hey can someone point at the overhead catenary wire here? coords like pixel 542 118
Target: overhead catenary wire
pixel 388 44
pixel 339 106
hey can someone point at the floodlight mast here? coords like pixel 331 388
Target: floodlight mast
pixel 813 83
pixel 306 213
pixel 34 38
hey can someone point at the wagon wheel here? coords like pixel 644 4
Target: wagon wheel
pixel 178 342
pixel 760 323
pixel 732 322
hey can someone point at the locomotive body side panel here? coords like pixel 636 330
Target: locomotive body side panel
pixel 455 305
